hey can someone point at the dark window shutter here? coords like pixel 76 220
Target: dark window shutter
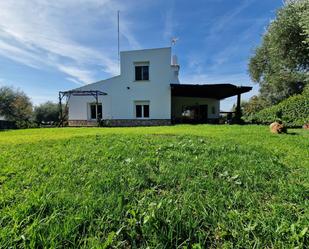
pixel 93 112
pixel 138 73
pixel 146 111
pixel 145 72
pixel 138 110
pixel 100 111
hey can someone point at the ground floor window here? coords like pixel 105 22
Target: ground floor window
pixel 142 109
pixel 93 112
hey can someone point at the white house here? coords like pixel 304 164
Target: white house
pixel 147 92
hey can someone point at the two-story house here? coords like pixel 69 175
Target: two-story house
pixel 147 92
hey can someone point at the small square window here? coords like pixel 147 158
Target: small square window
pixel 142 109
pixel 141 72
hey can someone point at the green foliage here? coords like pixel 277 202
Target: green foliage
pixel 293 111
pixel 254 105
pixel 15 106
pixel 196 186
pixel 46 113
pixel 280 65
pixel 304 22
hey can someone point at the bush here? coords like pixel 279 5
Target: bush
pixel 293 112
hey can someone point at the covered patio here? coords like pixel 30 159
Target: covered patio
pixel 192 103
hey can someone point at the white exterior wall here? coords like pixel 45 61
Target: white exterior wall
pixel 119 103
pixel 179 102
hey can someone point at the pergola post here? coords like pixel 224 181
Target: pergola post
pixel 60 109
pixel 96 108
pixel 238 108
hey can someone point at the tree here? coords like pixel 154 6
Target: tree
pixel 15 105
pixel 46 113
pixel 254 105
pixel 280 65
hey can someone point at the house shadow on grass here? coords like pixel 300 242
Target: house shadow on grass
pixel 292 133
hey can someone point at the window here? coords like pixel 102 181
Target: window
pixel 93 112
pixel 138 109
pixel 141 71
pixel 213 110
pixel 142 109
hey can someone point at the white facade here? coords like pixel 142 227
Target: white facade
pixel 124 92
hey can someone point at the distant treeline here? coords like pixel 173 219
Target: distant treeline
pixel 19 112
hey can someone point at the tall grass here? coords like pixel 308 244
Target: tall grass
pixel 162 187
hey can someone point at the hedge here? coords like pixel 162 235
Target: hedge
pixel 293 112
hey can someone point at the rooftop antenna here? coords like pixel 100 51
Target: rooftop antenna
pixel 118 38
pixel 174 57
pixel 174 40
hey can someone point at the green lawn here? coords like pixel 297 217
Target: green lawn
pixel 198 186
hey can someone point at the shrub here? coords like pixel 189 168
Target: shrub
pixel 293 112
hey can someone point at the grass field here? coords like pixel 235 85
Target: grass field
pixel 184 186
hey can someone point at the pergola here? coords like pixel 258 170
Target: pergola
pixel 68 94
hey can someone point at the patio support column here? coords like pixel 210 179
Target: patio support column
pixel 60 110
pixel 238 109
pixel 96 108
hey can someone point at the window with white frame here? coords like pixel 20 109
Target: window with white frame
pixel 94 114
pixel 141 71
pixel 142 109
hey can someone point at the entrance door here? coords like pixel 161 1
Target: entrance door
pixel 203 113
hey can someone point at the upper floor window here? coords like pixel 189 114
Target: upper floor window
pixel 141 71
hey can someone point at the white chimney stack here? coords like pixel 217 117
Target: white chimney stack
pixel 174 60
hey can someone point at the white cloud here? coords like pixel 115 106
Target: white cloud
pixel 73 80
pixel 82 75
pixel 51 35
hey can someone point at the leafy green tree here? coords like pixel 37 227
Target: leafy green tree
pixel 46 113
pixel 281 64
pixel 254 105
pixel 15 105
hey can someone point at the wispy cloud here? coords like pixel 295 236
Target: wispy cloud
pixel 169 21
pixel 220 23
pixel 49 35
pixel 237 48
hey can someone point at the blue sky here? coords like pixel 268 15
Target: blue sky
pixel 48 46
